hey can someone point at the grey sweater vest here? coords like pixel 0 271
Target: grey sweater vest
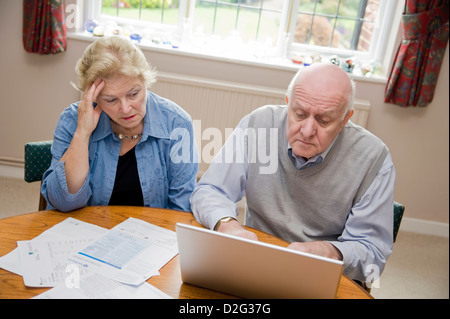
pixel 312 203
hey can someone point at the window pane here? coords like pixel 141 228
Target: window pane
pixel 346 30
pixel 303 28
pixel 321 34
pixel 368 25
pixel 347 8
pixel 336 23
pixel 159 11
pixel 270 24
pixel 248 23
pixel 327 7
pixel 110 7
pixel 225 20
pixel 307 6
pixel 252 19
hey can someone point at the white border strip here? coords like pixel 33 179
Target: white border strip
pixel 425 227
pixel 11 171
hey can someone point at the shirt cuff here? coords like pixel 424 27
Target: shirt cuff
pixel 59 194
pixel 346 251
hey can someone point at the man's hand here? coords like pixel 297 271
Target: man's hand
pixel 234 228
pixel 321 248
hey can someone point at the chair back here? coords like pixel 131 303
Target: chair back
pixel 38 157
pixel 399 209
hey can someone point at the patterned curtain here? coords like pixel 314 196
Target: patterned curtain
pixel 416 67
pixel 44 28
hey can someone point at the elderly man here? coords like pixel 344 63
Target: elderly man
pixel 331 192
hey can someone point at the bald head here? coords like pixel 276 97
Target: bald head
pixel 325 79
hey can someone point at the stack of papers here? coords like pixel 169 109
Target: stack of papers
pixel 82 260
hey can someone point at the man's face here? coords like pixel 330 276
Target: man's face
pixel 315 117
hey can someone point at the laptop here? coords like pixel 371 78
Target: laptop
pixel 253 269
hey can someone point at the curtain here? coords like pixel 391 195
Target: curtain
pixel 416 67
pixel 44 28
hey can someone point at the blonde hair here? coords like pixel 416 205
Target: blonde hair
pixel 110 56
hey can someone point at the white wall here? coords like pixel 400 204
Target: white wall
pixel 35 89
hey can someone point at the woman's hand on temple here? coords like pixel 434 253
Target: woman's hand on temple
pixel 88 115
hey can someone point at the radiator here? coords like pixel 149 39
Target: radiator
pixel 216 104
pixel 362 108
pixel 221 105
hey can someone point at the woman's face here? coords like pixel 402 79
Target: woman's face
pixel 124 99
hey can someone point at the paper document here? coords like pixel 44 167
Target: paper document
pixel 96 286
pixel 130 253
pixel 69 228
pixel 44 262
pixel 115 248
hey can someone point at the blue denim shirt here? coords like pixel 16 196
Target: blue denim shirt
pixel 166 155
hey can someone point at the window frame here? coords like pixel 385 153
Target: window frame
pixel 378 50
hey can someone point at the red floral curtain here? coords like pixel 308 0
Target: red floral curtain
pixel 44 28
pixel 416 67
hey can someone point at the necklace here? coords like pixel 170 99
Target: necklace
pixel 125 137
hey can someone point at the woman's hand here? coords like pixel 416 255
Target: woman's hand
pixel 76 157
pixel 88 116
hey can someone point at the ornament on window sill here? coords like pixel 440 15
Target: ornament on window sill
pixel 348 65
pixel 136 37
pixel 99 31
pixel 90 25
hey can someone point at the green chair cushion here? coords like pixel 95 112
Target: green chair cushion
pixel 38 157
pixel 399 209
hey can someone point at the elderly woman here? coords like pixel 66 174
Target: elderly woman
pixel 121 144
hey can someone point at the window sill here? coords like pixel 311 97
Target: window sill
pixel 276 63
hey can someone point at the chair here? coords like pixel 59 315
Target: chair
pixel 38 157
pixel 399 209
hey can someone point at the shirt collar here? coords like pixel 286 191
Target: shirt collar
pixel 154 124
pixel 301 162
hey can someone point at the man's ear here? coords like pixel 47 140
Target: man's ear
pixel 346 118
pixel 349 115
pixel 287 99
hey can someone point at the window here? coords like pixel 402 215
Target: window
pixel 256 28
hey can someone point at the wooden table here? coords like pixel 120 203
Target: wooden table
pixel 28 226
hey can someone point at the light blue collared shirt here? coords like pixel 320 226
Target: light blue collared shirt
pixel 166 155
pixel 301 163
